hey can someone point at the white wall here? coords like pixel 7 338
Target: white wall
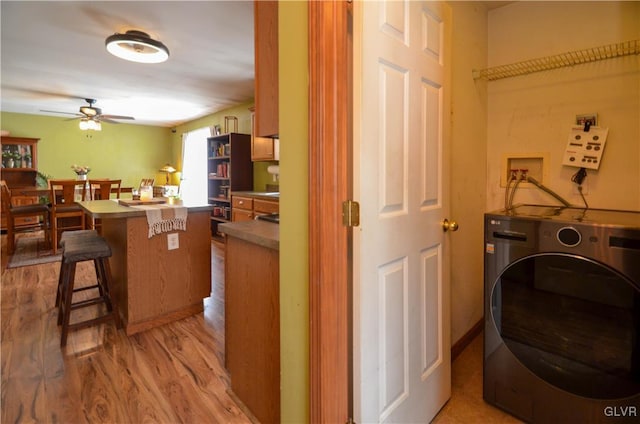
pixel 468 164
pixel 534 113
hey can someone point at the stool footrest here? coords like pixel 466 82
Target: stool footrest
pixel 79 289
pixel 89 322
pixel 88 302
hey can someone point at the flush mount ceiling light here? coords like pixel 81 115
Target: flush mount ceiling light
pixel 137 46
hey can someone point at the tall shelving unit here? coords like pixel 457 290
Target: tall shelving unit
pixel 230 169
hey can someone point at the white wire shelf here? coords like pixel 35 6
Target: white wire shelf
pixel 561 60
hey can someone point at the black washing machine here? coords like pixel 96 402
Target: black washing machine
pixel 562 314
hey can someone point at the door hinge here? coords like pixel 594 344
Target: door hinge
pixel 350 213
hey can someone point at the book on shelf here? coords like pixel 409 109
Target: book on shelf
pixel 222 170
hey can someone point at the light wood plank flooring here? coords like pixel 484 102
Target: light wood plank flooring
pixel 171 374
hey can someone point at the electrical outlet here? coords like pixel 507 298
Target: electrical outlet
pixel 172 241
pixel 591 118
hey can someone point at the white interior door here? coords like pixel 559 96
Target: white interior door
pixel 401 273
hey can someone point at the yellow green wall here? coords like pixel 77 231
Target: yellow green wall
pixel 125 151
pixel 294 194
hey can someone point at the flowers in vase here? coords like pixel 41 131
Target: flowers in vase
pixel 80 170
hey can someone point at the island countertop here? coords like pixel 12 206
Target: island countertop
pixel 106 209
pixel 259 232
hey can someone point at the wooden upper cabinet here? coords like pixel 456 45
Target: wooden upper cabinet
pixel 19 161
pixel 266 67
pixel 262 148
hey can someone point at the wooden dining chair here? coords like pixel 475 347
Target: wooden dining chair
pixel 147 182
pixel 38 212
pixel 101 189
pixel 66 214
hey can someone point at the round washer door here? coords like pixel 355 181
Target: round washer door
pixel 571 321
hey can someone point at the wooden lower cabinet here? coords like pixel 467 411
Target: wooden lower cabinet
pixel 153 285
pixel 246 208
pixel 252 326
pixel 242 208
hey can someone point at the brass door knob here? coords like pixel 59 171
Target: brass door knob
pixel 449 225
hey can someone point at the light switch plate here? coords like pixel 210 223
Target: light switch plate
pixel 173 242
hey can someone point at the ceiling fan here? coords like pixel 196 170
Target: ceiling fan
pixel 92 113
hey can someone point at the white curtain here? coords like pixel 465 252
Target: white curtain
pixel 193 187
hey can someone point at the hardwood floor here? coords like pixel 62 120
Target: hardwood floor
pixel 170 374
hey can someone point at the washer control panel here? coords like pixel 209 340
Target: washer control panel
pixel 569 236
pixel 585 148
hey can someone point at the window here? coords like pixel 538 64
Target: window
pixel 193 187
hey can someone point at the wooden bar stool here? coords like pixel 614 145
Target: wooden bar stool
pixel 74 235
pixel 80 249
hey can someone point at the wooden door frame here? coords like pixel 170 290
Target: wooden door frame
pixel 329 146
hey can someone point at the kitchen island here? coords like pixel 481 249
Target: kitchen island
pixel 252 315
pixel 154 281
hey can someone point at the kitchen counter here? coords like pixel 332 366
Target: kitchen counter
pixel 252 315
pixel 264 195
pixel 262 233
pixel 154 284
pixel 110 209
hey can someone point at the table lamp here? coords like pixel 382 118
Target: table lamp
pixel 167 169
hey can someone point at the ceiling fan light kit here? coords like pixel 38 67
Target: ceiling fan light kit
pixel 90 124
pixel 137 46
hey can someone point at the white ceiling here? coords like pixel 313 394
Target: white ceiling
pixel 53 57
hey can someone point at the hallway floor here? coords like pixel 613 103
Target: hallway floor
pixel 466 405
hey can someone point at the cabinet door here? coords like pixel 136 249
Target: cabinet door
pixel 264 206
pixel 266 67
pixel 242 215
pixel 242 202
pixel 262 148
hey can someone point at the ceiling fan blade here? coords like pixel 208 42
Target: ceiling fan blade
pixel 107 120
pixel 116 117
pixel 57 111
